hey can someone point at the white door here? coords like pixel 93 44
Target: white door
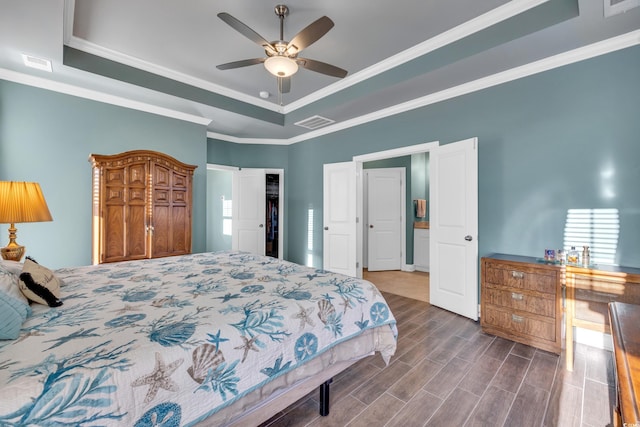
pixel 453 218
pixel 339 218
pixel 385 218
pixel 248 215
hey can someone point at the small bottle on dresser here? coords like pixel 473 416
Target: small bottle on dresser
pixel 573 256
pixel 586 256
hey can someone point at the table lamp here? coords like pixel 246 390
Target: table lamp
pixel 20 202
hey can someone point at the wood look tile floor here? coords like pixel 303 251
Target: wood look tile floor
pixel 447 372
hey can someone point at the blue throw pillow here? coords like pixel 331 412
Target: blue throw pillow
pixel 14 309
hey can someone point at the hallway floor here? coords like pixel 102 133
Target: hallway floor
pixel 414 285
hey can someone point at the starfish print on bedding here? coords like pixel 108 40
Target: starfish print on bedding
pixel 159 378
pixel 127 308
pixel 216 340
pixel 305 316
pixel 249 344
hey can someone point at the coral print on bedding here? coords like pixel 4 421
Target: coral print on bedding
pixel 171 340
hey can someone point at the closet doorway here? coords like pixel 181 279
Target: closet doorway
pixel 245 210
pixel 272 217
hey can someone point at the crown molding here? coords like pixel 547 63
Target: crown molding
pixel 68 89
pixel 140 64
pixel 238 140
pixel 566 58
pixel 463 30
pixel 576 55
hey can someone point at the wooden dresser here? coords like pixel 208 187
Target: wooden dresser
pixel 522 301
pixel 625 331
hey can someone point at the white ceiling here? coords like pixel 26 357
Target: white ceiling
pixel 161 55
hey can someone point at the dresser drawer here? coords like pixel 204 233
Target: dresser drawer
pixel 521 277
pixel 519 324
pixel 522 301
pixel 541 304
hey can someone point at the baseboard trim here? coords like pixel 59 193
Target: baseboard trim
pixel 408 267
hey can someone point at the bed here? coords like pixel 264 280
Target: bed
pixel 203 339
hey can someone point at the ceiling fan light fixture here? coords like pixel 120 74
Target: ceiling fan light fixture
pixel 281 66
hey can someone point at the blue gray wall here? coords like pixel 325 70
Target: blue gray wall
pixel 563 139
pixel 47 137
pixel 566 138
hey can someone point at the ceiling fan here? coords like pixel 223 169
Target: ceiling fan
pixel 282 57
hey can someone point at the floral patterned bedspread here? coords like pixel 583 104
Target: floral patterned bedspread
pixel 170 340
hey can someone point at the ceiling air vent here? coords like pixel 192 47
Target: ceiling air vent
pixel 314 122
pixel 37 63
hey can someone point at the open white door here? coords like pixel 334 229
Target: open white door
pixel 339 218
pixel 385 218
pixel 453 217
pixel 248 217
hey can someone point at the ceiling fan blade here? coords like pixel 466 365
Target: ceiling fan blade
pixel 284 84
pixel 321 67
pixel 246 31
pixel 238 64
pixel 310 34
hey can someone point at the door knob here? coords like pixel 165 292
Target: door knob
pixel 371 226
pixel 261 225
pixel 468 238
pixel 326 228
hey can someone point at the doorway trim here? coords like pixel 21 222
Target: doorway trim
pixel 281 202
pixel 380 155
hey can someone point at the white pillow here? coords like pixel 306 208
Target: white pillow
pixel 9 272
pixel 13 267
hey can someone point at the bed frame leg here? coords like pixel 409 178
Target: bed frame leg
pixel 324 398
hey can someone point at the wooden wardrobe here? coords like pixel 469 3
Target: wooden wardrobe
pixel 141 206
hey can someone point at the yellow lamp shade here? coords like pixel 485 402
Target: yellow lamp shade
pixel 20 202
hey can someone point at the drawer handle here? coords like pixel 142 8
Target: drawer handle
pixel 517 319
pixel 516 296
pixel 517 275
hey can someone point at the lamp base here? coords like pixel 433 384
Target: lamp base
pixel 12 253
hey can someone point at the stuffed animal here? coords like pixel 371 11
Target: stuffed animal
pixel 39 284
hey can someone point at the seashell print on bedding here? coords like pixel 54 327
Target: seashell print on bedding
pixel 205 357
pixel 328 316
pixel 221 324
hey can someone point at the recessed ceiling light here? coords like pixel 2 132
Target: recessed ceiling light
pixel 37 63
pixel 264 94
